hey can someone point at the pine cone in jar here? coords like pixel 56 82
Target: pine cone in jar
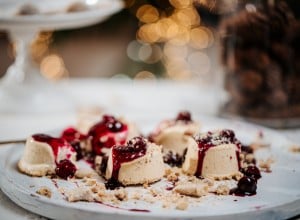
pixel 262 62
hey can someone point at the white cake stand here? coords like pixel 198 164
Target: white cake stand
pixel 23 89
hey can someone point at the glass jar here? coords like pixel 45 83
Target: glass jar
pixel 260 54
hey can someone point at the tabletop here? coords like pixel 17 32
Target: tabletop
pixel 133 99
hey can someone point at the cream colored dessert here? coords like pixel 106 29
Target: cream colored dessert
pixel 138 162
pixel 172 134
pixel 42 154
pixel 213 155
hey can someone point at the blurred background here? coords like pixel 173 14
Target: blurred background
pixel 148 39
pixel 173 39
pixel 252 44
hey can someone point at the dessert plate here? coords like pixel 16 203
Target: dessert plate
pixel 278 193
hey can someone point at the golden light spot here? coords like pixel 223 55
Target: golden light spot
pixel 150 53
pixel 144 75
pixel 145 52
pixel 182 37
pixel 167 28
pixel 187 17
pixel 52 67
pixel 199 63
pixel 133 50
pixel 147 14
pixel 179 74
pixel 199 38
pixel 210 34
pixel 171 50
pixel 180 3
pixel 149 33
pixel 175 66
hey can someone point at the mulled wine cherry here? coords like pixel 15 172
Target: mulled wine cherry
pixel 65 169
pixel 246 149
pixel 77 148
pixel 252 171
pixel 184 116
pixel 112 184
pixel 247 185
pixel 107 133
pixel 71 134
pixel 173 159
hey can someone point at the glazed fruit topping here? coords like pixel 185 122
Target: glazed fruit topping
pixel 134 149
pixel 252 171
pixel 184 116
pixel 71 134
pixel 55 143
pixel 247 185
pixel 173 159
pixel 65 169
pixel 107 133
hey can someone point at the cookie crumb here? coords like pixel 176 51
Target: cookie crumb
pixel 265 165
pixel 295 149
pixel 121 194
pixel 44 191
pixel 182 204
pixel 192 189
pixel 222 190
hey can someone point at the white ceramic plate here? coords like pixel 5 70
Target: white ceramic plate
pixel 278 194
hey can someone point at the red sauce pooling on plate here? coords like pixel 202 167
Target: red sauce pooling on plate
pixel 107 133
pixel 134 149
pixel 212 139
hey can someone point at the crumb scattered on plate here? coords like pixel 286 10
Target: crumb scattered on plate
pixel 44 191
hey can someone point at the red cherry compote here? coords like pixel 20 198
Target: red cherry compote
pixel 74 137
pixel 107 133
pixel 246 187
pixel 55 143
pixel 65 169
pixel 184 116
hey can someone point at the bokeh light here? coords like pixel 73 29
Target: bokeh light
pixel 183 38
pixel 52 67
pixel 144 75
pixel 147 14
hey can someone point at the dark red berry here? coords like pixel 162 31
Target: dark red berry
pixel 71 134
pixel 65 169
pixel 114 126
pixel 184 116
pixel 77 148
pixel 247 185
pixel 247 149
pixel 252 171
pixel 112 184
pixel 173 159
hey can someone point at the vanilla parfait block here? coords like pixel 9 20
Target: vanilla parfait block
pixel 173 136
pixel 213 155
pixel 45 155
pixel 137 162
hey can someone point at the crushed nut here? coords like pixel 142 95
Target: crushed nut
pixel 182 204
pixel 265 165
pixel 44 191
pixel 121 194
pixel 192 189
pixel 295 149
